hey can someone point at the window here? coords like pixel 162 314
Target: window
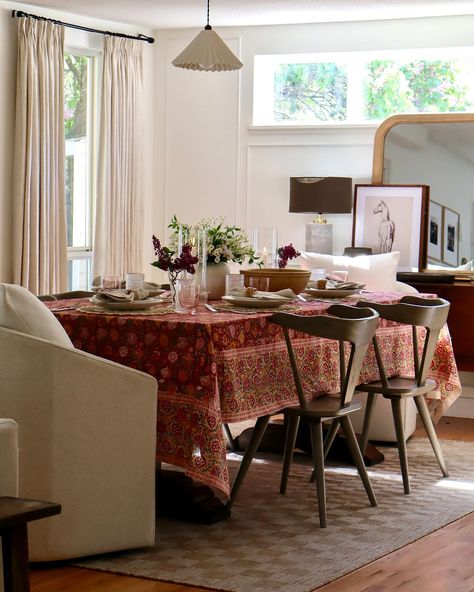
pixel 78 126
pixel 305 89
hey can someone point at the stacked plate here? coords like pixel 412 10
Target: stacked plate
pixel 114 302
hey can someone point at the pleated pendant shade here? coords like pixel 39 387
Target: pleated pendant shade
pixel 207 52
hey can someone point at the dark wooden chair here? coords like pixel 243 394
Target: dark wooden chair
pixel 356 251
pixel 15 513
pixel 417 312
pixel 65 295
pixel 344 324
pixel 73 294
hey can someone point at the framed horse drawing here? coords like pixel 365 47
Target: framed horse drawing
pixel 392 218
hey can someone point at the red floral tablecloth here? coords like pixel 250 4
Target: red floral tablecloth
pixel 224 367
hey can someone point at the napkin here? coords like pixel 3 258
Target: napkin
pixel 336 285
pixel 121 295
pixel 287 293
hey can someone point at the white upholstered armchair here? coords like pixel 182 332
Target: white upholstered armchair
pixel 87 435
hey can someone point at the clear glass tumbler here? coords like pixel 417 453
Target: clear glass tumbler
pixel 188 292
pixel 233 280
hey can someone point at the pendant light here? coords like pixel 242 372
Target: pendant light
pixel 207 52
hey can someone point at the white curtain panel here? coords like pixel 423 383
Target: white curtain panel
pixel 39 209
pixel 119 214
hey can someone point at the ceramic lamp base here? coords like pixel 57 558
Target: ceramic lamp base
pixel 319 238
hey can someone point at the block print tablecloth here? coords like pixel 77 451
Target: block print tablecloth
pixel 223 367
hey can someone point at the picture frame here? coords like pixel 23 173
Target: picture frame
pixel 392 218
pixel 450 237
pixel 435 231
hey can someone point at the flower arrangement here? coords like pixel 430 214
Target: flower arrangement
pixel 285 254
pixel 174 266
pixel 224 243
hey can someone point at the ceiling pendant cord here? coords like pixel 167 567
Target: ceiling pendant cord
pixel 208 26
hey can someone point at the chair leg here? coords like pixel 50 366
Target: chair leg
pixel 330 436
pixel 293 422
pixel 357 456
pixel 318 460
pixel 401 444
pixel 229 437
pixel 258 431
pixel 328 442
pixel 369 407
pixel 428 424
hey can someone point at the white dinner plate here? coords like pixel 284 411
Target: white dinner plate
pixel 132 305
pixel 252 302
pixel 330 293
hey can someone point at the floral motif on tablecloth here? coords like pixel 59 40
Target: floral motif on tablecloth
pixel 227 367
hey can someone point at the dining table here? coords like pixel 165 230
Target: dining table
pixel 231 364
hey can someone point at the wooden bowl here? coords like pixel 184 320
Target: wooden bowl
pixel 280 279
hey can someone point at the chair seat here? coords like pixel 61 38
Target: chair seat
pixel 324 406
pixel 399 386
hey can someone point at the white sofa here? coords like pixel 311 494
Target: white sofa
pixel 87 435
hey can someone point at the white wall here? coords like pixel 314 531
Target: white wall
pixel 78 40
pixel 211 162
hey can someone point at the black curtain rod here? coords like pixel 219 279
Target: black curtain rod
pixel 140 37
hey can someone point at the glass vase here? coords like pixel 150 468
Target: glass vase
pixel 265 244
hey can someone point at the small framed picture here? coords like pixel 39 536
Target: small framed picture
pixel 435 231
pixel 450 237
pixel 392 218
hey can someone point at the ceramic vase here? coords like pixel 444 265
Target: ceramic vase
pixel 215 280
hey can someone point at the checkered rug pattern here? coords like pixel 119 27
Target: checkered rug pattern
pixel 273 542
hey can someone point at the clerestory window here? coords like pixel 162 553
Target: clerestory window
pixel 361 87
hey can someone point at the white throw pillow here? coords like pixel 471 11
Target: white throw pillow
pixel 377 272
pixel 21 311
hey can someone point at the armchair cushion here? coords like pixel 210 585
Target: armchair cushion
pixel 377 272
pixel 21 311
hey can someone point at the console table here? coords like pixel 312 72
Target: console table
pixel 461 317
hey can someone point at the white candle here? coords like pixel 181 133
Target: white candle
pixel 265 256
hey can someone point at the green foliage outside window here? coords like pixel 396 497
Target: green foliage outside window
pixel 310 92
pixel 414 87
pixel 75 95
pixel 315 92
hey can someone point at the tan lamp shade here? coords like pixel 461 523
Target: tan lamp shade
pixel 329 195
pixel 207 52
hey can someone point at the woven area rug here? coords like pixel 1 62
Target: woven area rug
pixel 273 542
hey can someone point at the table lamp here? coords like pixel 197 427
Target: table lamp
pixel 318 195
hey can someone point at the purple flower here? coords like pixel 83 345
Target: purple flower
pixel 165 261
pixel 285 254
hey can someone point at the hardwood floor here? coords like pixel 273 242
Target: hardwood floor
pixel 439 562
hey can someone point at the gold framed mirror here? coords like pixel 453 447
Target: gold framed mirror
pixel 435 149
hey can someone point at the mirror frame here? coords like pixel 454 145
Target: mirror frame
pixel 387 124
